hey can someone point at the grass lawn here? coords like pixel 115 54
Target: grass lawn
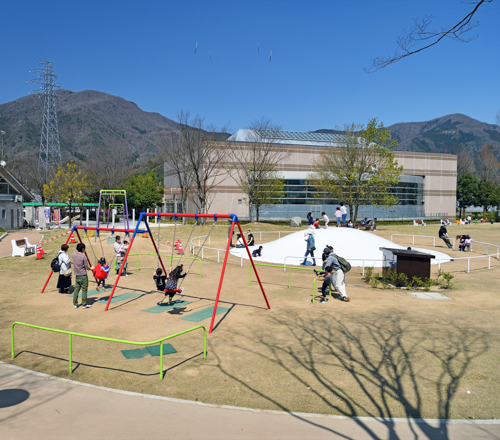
pixel 383 354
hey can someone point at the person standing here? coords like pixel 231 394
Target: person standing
pixel 334 264
pixel 63 282
pixel 310 219
pixel 327 220
pixel 309 237
pixel 443 234
pixel 81 265
pixel 344 212
pixel 338 215
pixel 117 248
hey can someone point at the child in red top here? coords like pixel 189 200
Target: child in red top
pixel 101 272
pixel 316 224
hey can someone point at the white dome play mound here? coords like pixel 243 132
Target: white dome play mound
pixel 352 244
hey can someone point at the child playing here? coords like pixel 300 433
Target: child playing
pixel 327 281
pixel 325 217
pixel 461 246
pixel 257 252
pixel 171 285
pixel 101 272
pixel 468 242
pixel 160 280
pixel 316 224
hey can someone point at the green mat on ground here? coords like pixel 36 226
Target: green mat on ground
pixel 164 307
pixel 123 297
pixel 89 293
pixel 155 349
pixel 203 314
pixel 136 353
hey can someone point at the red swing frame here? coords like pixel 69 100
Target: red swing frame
pixel 144 217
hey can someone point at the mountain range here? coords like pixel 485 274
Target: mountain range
pixel 93 123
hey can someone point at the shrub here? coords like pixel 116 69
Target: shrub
pixel 375 282
pixel 368 274
pixel 448 277
pixel 427 284
pixel 417 282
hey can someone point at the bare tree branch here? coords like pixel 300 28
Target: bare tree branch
pixel 418 34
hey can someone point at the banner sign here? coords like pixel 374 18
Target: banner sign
pixel 47 215
pixel 57 216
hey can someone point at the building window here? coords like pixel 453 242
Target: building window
pixel 4 214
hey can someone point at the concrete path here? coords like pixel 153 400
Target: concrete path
pixel 38 406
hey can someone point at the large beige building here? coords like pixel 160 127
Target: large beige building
pixel 427 188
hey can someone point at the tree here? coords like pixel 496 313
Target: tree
pixel 171 149
pixel 361 170
pixel 488 195
pixel 144 191
pixel 488 166
pixel 25 167
pixel 256 167
pixel 204 156
pixel 467 189
pixel 419 37
pixel 68 186
pixel 465 163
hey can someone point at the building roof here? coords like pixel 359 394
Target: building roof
pixel 286 137
pixel 18 186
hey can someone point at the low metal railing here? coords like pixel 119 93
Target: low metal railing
pixel 101 338
pixel 280 266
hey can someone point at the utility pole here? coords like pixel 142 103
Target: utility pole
pixel 50 150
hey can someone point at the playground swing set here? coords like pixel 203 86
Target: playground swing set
pixel 144 218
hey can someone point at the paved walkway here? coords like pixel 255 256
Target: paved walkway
pixel 6 244
pixel 37 406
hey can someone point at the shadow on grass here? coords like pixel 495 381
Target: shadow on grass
pixel 99 367
pixel 379 367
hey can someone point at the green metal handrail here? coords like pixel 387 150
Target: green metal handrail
pixel 281 267
pixel 71 334
pixel 169 256
pixel 314 289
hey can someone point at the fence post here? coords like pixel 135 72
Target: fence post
pixel 289 276
pixel 260 236
pixel 486 249
pixel 434 242
pixel 439 265
pixel 70 353
pixel 363 268
pixel 202 249
pixel 468 265
pixel 218 259
pixel 489 262
pixel 241 261
pixel 413 240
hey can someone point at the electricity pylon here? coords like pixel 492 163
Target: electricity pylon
pixel 50 150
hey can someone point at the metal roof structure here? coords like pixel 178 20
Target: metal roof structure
pixel 287 137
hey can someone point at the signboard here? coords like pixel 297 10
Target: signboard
pixel 47 215
pixel 57 216
pixel 37 222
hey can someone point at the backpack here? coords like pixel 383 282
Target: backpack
pixel 344 264
pixel 54 264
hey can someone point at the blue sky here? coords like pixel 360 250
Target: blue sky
pixel 143 51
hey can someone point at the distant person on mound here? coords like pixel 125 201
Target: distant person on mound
pixel 344 212
pixel 239 241
pixel 257 252
pixel 338 215
pixel 350 224
pixel 310 246
pixel 310 219
pixel 327 281
pixel 250 239
pixel 171 285
pixel 443 234
pixel 326 219
pixel 316 224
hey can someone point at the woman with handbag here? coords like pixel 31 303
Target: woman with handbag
pixel 64 281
